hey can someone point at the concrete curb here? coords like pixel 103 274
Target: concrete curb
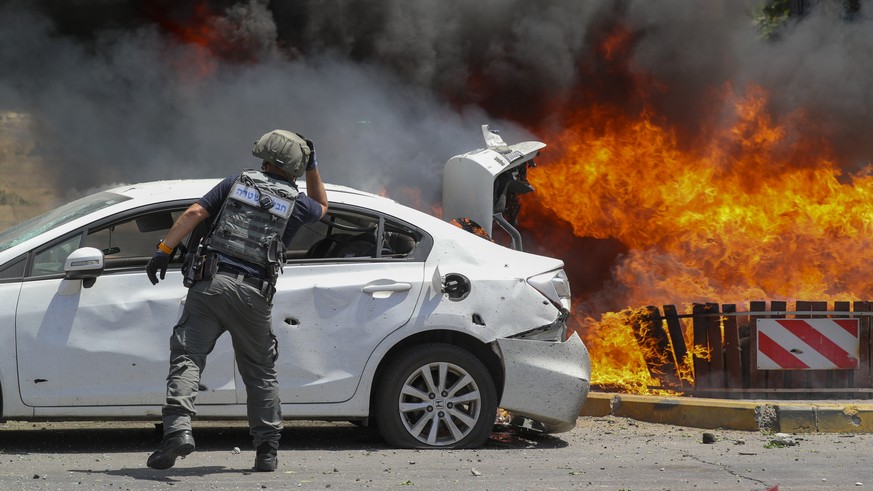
pixel 774 416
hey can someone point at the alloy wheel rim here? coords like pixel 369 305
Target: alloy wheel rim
pixel 440 404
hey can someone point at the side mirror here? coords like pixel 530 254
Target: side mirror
pixel 84 264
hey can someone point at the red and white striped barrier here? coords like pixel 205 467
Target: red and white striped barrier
pixel 807 344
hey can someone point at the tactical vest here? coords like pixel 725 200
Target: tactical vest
pixel 253 219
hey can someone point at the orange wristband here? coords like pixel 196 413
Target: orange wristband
pixel 164 248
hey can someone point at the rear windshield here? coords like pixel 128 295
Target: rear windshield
pixel 71 211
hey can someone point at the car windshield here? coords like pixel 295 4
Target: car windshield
pixel 31 228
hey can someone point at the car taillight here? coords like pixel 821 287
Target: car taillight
pixel 554 285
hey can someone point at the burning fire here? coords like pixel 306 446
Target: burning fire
pixel 233 35
pixel 747 212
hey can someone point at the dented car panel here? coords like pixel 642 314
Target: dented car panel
pixel 103 348
pixel 500 302
pixel 546 382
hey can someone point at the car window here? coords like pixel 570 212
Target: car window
pixel 13 269
pixel 50 261
pixel 131 242
pixel 57 217
pixel 350 233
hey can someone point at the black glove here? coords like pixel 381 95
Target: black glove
pixel 313 163
pixel 158 262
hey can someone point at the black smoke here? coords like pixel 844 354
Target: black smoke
pixel 390 89
pixel 123 96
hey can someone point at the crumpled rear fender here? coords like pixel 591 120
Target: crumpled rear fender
pixel 545 381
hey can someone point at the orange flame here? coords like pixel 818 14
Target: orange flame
pixel 212 37
pixel 616 44
pixel 197 32
pixel 748 212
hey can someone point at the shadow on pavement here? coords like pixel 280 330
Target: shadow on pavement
pixel 102 437
pixel 170 476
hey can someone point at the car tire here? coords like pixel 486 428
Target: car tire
pixel 436 396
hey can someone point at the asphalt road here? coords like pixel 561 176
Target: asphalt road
pixel 600 453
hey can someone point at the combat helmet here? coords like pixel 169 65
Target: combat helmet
pixel 285 149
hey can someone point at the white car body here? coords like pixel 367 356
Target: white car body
pixel 84 334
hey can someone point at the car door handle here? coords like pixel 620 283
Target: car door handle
pixel 389 287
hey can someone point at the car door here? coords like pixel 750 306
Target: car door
pixel 338 298
pixel 107 345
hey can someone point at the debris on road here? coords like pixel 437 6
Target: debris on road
pixel 781 440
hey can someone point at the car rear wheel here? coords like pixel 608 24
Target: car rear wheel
pixel 436 396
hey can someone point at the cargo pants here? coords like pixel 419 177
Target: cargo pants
pixel 213 306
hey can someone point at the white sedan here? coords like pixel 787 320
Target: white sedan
pixel 383 315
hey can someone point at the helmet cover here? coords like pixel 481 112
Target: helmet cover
pixel 285 149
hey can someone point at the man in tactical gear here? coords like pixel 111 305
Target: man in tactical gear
pixel 231 278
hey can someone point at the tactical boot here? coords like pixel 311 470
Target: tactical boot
pixel 178 444
pixel 267 458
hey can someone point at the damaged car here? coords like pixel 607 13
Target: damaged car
pixel 384 315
